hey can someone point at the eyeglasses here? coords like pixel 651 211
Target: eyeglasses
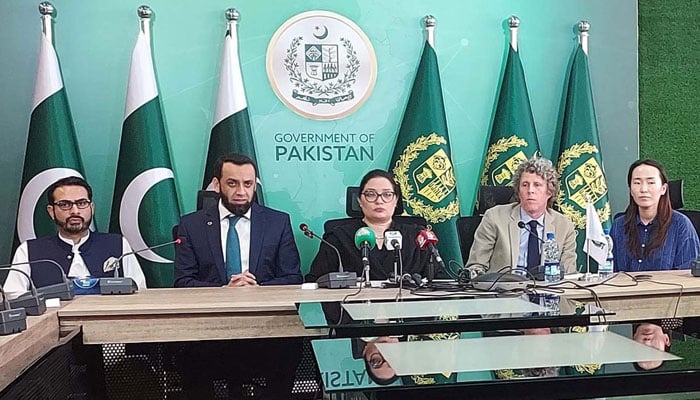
pixel 376 360
pixel 372 196
pixel 66 205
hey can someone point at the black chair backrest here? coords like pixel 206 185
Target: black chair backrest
pixel 466 227
pixel 675 190
pixel 352 205
pixel 694 216
pixel 406 219
pixel 490 196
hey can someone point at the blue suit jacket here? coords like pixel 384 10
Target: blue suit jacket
pixel 274 257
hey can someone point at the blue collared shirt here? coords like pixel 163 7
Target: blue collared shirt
pixel 679 249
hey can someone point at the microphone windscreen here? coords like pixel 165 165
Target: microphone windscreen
pixel 521 225
pixel 303 227
pixel 365 234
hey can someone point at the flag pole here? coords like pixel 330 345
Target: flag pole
pixel 587 275
pixel 583 28
pixel 430 22
pixel 514 24
pixel 232 17
pixel 47 11
pixel 145 13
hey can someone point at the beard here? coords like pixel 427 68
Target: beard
pixel 74 228
pixel 238 210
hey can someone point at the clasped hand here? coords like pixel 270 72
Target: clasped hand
pixel 242 279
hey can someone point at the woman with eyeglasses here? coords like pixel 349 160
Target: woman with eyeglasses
pixel 378 199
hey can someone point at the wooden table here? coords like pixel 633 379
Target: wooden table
pixel 21 350
pixel 648 299
pixel 165 315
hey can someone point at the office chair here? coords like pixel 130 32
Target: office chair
pixel 490 196
pixel 466 227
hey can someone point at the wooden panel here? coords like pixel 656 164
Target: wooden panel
pixel 21 350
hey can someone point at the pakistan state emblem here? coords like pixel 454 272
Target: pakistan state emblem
pixel 426 177
pixel 586 183
pixel 321 65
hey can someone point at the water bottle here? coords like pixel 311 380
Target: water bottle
pixel 552 268
pixel 606 270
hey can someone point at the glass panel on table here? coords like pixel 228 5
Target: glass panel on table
pixel 427 315
pixel 576 356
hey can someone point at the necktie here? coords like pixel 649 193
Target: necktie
pixel 533 246
pixel 233 248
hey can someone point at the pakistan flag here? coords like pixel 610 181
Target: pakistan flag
pixel 421 159
pixel 145 206
pixel 52 148
pixel 580 163
pixel 513 136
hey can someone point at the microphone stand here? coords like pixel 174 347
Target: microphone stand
pixel 365 260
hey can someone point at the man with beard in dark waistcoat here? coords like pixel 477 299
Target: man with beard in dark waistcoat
pixel 80 252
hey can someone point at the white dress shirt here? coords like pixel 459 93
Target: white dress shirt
pixel 16 283
pixel 243 230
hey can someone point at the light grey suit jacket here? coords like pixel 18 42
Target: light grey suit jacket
pixel 497 239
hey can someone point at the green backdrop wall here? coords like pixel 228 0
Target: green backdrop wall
pixel 94 41
pixel 669 68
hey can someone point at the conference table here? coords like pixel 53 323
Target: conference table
pixel 186 314
pixel 193 314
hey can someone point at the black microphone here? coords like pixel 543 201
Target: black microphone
pixel 331 280
pixel 32 302
pixel 65 290
pixel 125 284
pixel 11 320
pixel 523 225
pixel 537 272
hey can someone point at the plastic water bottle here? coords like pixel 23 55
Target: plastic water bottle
pixel 606 270
pixel 552 268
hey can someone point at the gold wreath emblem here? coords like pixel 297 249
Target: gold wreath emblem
pixel 403 164
pixel 501 146
pixel 565 159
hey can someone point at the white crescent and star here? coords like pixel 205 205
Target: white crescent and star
pixel 30 198
pixel 129 210
pixel 322 35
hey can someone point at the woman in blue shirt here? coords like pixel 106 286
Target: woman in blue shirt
pixel 651 236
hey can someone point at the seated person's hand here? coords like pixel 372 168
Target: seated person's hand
pixel 242 279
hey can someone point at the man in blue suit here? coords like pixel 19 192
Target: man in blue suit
pixel 237 243
pixel 259 251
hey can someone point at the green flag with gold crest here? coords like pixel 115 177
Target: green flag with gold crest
pixel 421 159
pixel 580 163
pixel 513 136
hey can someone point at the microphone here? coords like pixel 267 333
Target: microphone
pixel 65 290
pixel 365 241
pixel 11 320
pixel 523 225
pixel 331 280
pixel 393 239
pixel 32 302
pixel 536 272
pixel 427 239
pixel 124 285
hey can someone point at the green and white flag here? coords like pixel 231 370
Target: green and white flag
pixel 145 206
pixel 580 163
pixel 513 136
pixel 421 159
pixel 232 131
pixel 52 149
